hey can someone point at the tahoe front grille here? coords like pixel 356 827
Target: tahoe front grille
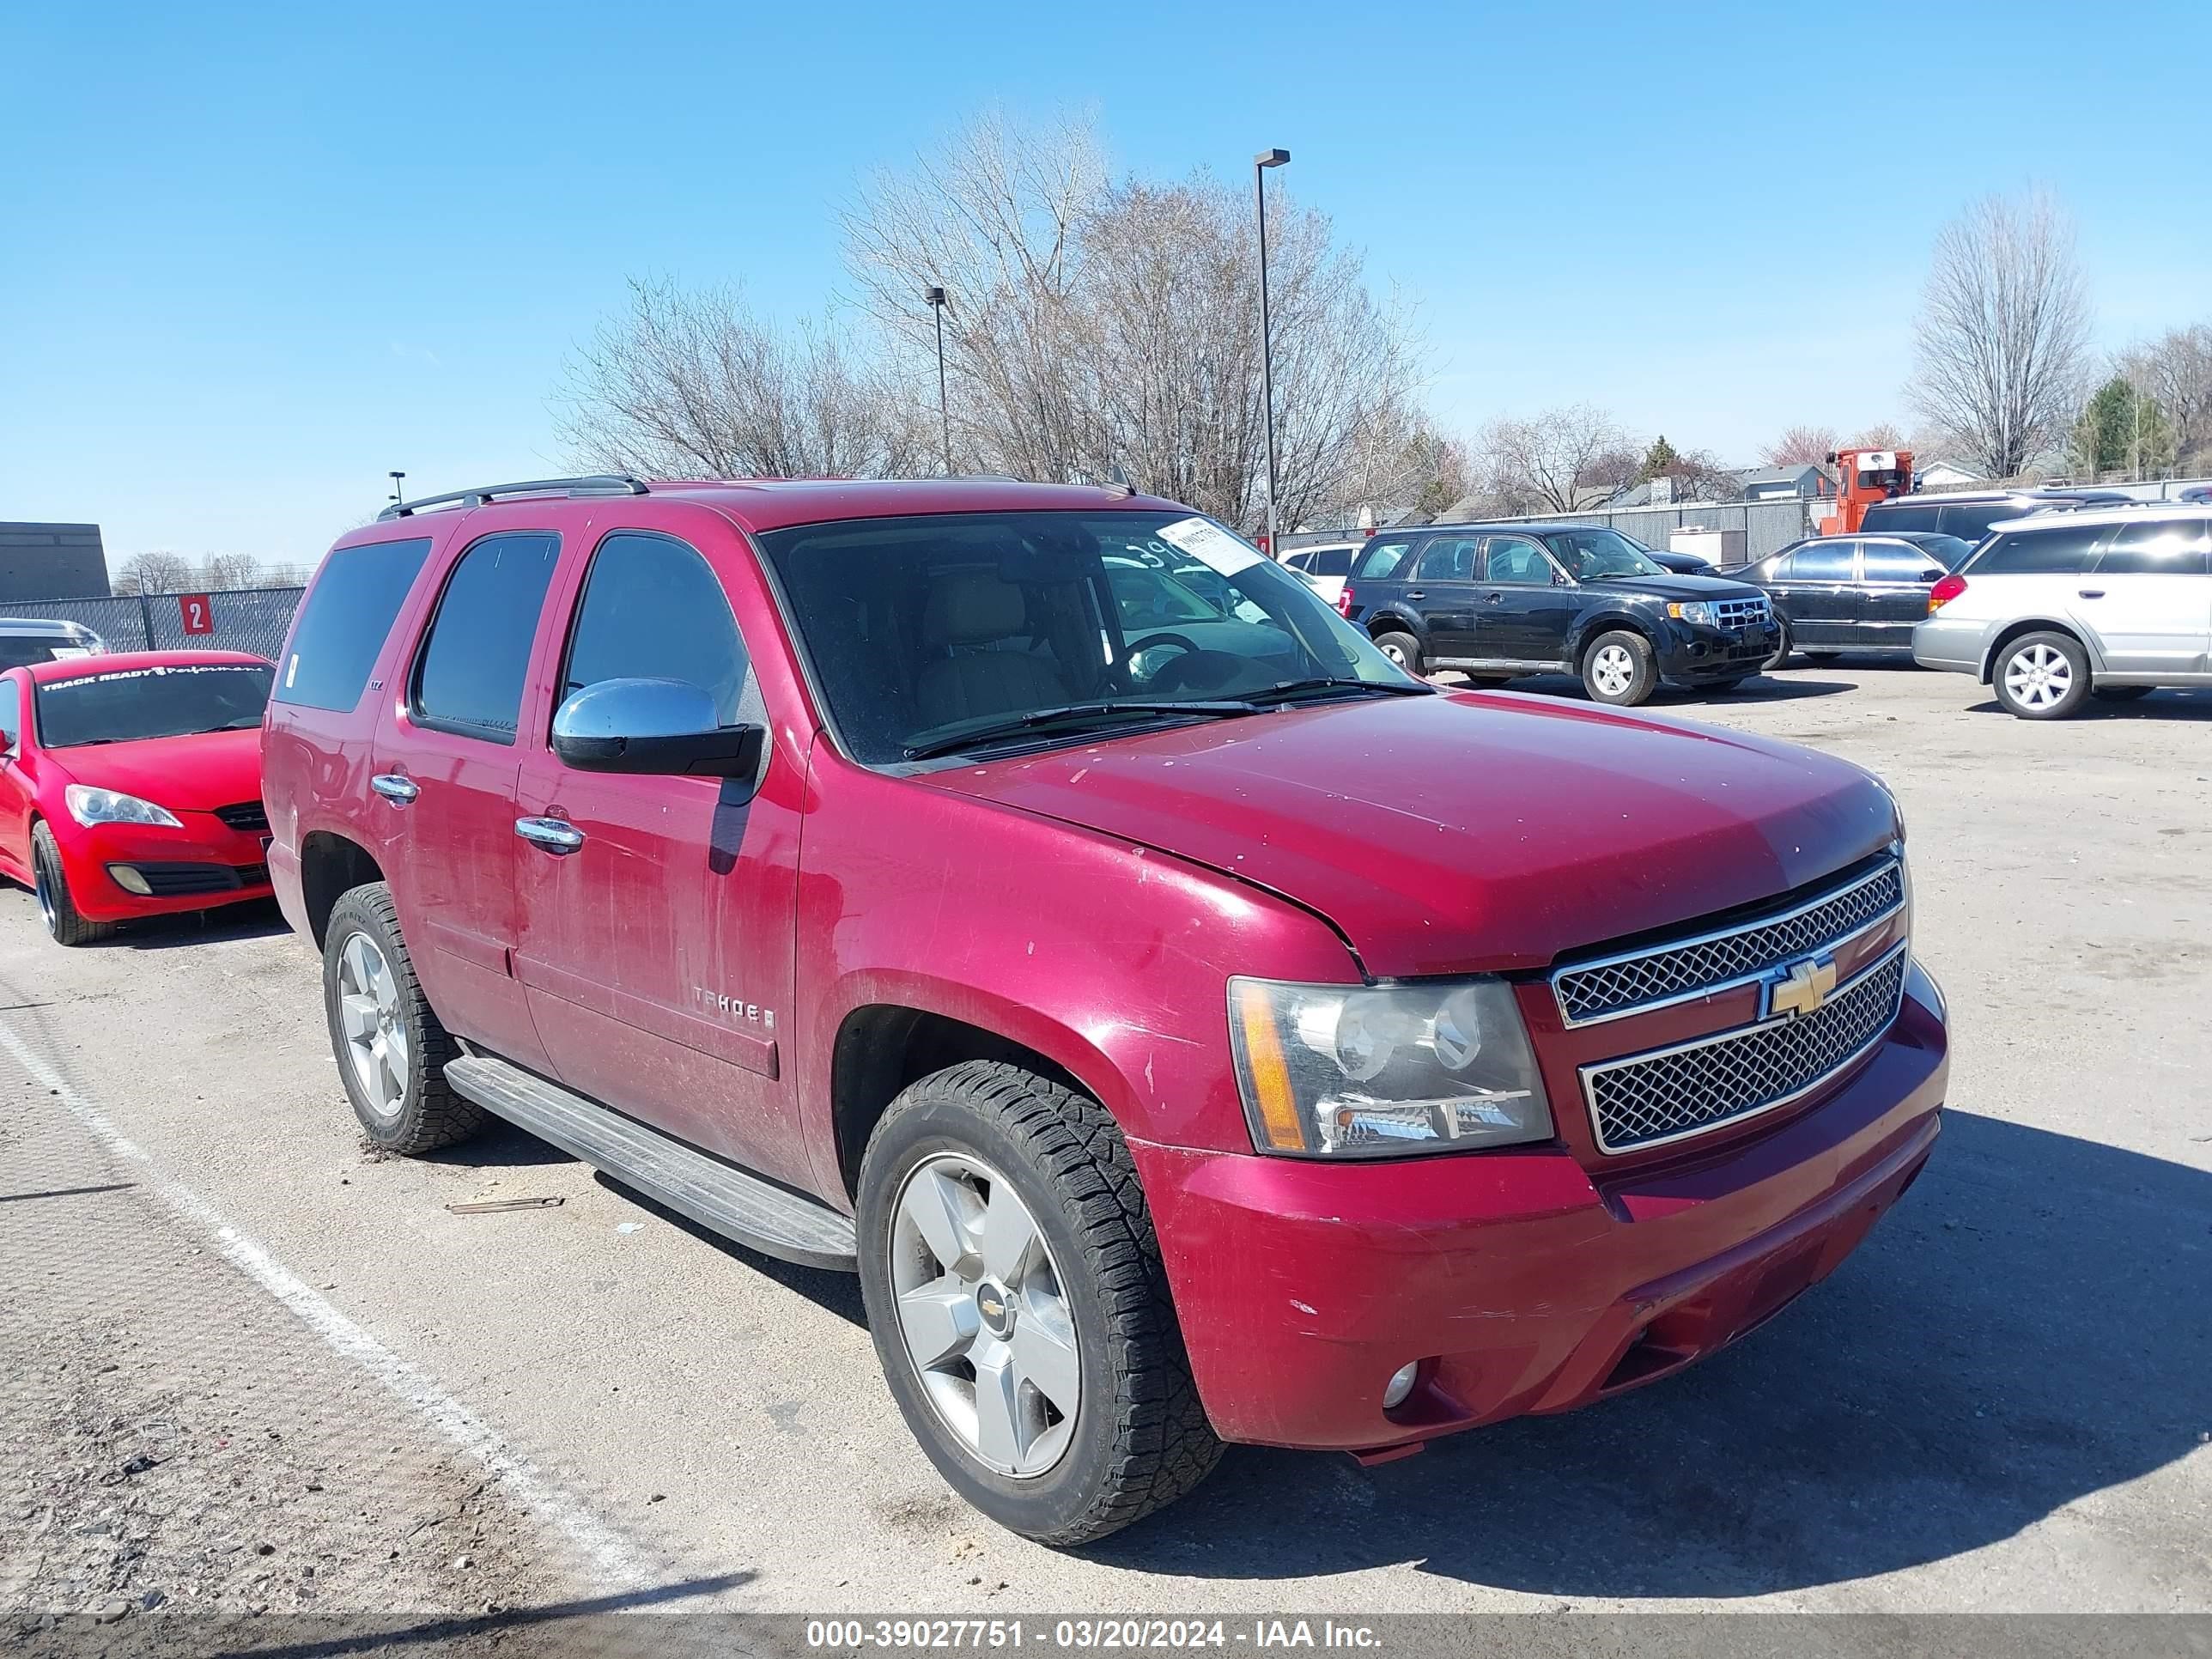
pixel 1648 1099
pixel 1672 972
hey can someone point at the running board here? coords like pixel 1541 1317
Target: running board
pixel 754 1213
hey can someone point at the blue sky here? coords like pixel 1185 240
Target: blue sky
pixel 251 258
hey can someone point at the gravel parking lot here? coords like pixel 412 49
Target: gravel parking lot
pixel 226 1328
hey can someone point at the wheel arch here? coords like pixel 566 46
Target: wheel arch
pixel 1392 620
pixel 1588 632
pixel 2012 630
pixel 331 866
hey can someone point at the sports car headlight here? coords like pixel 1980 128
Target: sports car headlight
pixel 1694 610
pixel 90 805
pixel 1338 1070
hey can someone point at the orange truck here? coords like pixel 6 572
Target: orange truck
pixel 1864 478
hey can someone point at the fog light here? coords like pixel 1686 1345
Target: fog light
pixel 1399 1385
pixel 130 880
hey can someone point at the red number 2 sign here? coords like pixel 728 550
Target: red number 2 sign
pixel 198 614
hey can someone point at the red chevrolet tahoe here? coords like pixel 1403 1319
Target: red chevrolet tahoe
pixel 1190 1027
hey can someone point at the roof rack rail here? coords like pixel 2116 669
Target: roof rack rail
pixel 592 484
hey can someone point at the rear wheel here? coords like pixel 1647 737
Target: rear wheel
pixel 56 907
pixel 1015 1294
pixel 2042 677
pixel 391 1049
pixel 1620 668
pixel 1401 648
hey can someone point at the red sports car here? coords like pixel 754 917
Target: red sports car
pixel 130 784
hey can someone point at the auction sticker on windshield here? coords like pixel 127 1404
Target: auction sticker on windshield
pixel 1210 545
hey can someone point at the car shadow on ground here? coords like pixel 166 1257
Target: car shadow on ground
pixel 833 1292
pixel 2179 703
pixel 1761 688
pixel 259 919
pixel 2026 1329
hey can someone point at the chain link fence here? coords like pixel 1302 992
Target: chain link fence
pixel 252 619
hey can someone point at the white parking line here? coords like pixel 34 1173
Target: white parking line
pixel 618 1563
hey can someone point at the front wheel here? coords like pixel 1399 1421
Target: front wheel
pixel 1620 668
pixel 1401 648
pixel 1019 1310
pixel 1782 650
pixel 392 1050
pixel 2042 677
pixel 50 882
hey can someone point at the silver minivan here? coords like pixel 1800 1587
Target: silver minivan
pixel 2050 611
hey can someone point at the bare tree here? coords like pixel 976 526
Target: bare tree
pixel 1882 434
pixel 694 384
pixel 228 572
pixel 2003 331
pixel 1096 328
pixel 2174 372
pixel 155 573
pixel 1799 445
pixel 1563 460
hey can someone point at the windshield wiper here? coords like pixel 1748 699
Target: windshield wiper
pixel 1045 719
pixel 1301 690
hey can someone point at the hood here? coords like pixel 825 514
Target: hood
pixel 1676 587
pixel 1467 831
pixel 193 773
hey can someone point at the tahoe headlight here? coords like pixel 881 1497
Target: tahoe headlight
pixel 89 805
pixel 1381 1071
pixel 1692 610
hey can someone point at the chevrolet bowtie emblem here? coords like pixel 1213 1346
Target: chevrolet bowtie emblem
pixel 1802 988
pixel 994 1308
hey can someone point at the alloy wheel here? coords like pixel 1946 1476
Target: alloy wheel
pixel 982 1315
pixel 2039 677
pixel 1612 670
pixel 375 1031
pixel 42 886
pixel 1396 653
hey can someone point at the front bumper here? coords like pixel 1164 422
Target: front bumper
pixel 1955 645
pixel 228 865
pixel 1693 653
pixel 1520 1283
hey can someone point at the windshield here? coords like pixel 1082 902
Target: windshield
pixel 918 629
pixel 1590 555
pixel 1949 551
pixel 169 701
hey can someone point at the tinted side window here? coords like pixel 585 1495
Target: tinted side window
pixel 470 677
pixel 1896 515
pixel 1972 522
pixel 2174 548
pixel 1822 562
pixel 1516 560
pixel 652 609
pixel 1449 559
pixel 2063 549
pixel 1897 562
pixel 11 713
pixel 1337 561
pixel 342 626
pixel 1379 562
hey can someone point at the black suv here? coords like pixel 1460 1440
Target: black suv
pixel 1969 514
pixel 1506 600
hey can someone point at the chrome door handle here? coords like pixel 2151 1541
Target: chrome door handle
pixel 2091 593
pixel 1415 593
pixel 1493 598
pixel 395 788
pixel 554 834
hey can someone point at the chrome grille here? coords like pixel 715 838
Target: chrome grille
pixel 1667 973
pixel 1648 1099
pixel 1742 613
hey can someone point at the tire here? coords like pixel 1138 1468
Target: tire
pixel 57 909
pixel 406 1109
pixel 1401 648
pixel 2120 693
pixel 1620 668
pixel 961 1142
pixel 2041 676
pixel 1781 657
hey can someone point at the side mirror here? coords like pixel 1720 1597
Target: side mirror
pixel 660 727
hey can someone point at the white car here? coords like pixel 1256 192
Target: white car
pixel 26 640
pixel 2050 611
pixel 1325 565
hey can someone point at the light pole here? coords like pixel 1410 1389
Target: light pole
pixel 936 298
pixel 396 478
pixel 1261 163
